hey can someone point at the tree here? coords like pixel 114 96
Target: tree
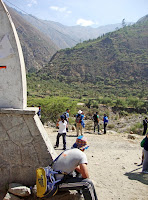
pixel 123 23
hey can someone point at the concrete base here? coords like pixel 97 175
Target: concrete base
pixel 25 146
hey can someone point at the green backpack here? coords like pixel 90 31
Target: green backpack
pixel 142 142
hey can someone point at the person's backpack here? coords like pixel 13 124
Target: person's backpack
pixel 142 142
pixel 95 118
pixel 45 182
pixel 106 119
pixel 47 186
pixel 65 116
pixel 78 118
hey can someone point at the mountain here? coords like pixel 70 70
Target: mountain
pixel 67 36
pixel 41 39
pixel 37 47
pixel 116 63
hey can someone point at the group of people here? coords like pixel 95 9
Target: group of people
pixel 80 124
pixel 96 122
pixel 74 161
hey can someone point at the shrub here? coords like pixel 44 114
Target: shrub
pixel 137 128
pixel 123 113
pixel 111 126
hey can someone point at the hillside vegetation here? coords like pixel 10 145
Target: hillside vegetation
pixel 111 70
pixel 115 64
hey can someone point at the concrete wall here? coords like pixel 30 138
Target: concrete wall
pixel 25 146
pixel 13 92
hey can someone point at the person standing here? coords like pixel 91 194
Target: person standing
pixel 145 161
pixel 39 112
pixel 105 120
pixel 75 160
pixel 78 122
pixel 66 117
pixel 61 132
pixel 145 125
pixel 96 121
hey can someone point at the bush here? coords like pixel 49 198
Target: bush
pixel 53 107
pixel 123 113
pixel 137 128
pixel 111 126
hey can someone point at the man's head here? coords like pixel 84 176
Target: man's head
pixel 62 117
pixel 81 143
pixel 67 110
pixel 80 112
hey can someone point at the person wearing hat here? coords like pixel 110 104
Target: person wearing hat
pixel 71 160
pixel 79 118
pixel 61 132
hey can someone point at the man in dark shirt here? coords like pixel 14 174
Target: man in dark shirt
pixel 145 126
pixel 145 161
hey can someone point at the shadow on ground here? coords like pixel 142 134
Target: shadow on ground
pixel 139 176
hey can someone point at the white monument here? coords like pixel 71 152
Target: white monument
pixel 13 92
pixel 24 143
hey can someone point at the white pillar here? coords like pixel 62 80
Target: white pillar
pixel 13 90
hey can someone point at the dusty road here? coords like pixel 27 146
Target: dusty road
pixel 113 165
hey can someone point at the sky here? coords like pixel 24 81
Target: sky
pixel 94 13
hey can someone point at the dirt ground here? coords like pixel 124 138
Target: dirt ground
pixel 113 161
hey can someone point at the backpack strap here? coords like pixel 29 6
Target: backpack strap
pixel 59 171
pixel 56 159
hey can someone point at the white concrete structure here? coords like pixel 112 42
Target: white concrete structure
pixel 24 143
pixel 13 92
pixel 25 146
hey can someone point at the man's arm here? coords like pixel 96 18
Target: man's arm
pixel 82 169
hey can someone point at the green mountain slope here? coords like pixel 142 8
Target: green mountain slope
pixel 114 64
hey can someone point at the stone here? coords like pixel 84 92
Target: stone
pixel 11 197
pixel 131 137
pixel 19 190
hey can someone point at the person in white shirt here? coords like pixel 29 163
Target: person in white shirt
pixel 61 132
pixel 75 160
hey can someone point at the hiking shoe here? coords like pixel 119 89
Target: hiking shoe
pixel 64 148
pixel 99 133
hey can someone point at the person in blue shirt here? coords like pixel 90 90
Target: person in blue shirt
pixel 105 120
pixel 80 122
pixel 39 112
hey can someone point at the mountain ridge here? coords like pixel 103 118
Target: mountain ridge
pixel 109 63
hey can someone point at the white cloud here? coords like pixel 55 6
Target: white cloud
pixel 83 22
pixel 31 3
pixel 64 9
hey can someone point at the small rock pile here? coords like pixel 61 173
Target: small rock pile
pixel 17 191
